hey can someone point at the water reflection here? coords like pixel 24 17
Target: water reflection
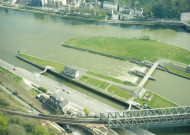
pixel 41 17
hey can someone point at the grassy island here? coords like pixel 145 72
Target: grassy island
pixel 142 49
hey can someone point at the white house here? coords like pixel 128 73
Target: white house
pixel 138 12
pixel 107 5
pixel 114 15
pixel 185 16
pixel 127 14
pixel 71 72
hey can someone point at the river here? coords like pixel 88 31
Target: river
pixel 41 36
pixel 174 88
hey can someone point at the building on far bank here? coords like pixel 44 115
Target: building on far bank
pixel 71 72
pixel 138 12
pixel 185 16
pixel 34 3
pixel 126 14
pixel 130 13
pixel 107 5
pixel 114 16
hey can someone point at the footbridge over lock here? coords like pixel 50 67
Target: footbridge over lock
pixel 147 117
pixel 46 68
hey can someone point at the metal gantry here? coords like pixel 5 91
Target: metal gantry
pixel 146 117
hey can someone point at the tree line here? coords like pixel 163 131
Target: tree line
pixel 160 8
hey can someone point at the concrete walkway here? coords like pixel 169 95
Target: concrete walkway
pixel 46 68
pixel 148 74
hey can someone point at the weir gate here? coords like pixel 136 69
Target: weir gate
pixel 146 117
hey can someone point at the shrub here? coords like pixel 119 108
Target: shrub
pixel 86 111
pixel 42 89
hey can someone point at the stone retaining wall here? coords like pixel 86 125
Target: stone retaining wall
pixel 95 52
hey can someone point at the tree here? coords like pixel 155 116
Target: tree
pixel 136 3
pixel 15 129
pixel 42 89
pixel 4 103
pixel 86 111
pixel 41 130
pixel 3 121
pixel 159 11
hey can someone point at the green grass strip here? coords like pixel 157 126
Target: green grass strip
pixel 57 66
pixel 178 72
pixel 14 78
pixel 116 91
pixel 94 82
pixel 156 102
pixel 110 78
pixel 34 93
pixel 133 48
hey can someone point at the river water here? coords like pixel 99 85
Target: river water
pixel 172 87
pixel 41 36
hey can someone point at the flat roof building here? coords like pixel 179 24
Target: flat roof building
pixel 185 16
pixel 107 5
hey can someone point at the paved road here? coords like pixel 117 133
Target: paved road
pixel 76 97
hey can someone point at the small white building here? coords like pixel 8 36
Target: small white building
pixel 43 97
pixel 107 5
pixel 138 12
pixel 71 72
pixel 115 17
pixel 126 14
pixel 185 16
pixel 44 2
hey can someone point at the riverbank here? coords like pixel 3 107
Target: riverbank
pixel 129 22
pixel 150 50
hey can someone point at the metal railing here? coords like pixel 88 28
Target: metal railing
pixel 146 117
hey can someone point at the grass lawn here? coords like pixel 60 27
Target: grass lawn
pixel 116 91
pixel 134 48
pixel 57 66
pixel 14 78
pixel 156 102
pixel 178 72
pixel 110 78
pixel 95 82
pixel 34 93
